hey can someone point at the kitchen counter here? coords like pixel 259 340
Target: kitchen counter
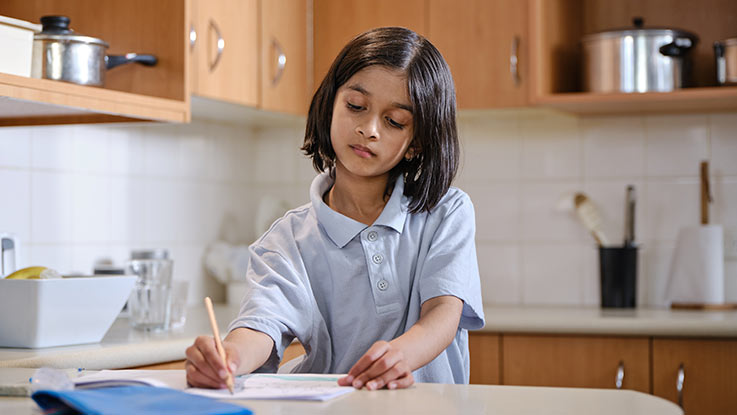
pixel 429 398
pixel 594 320
pixel 124 347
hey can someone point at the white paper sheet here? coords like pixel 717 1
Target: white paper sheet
pixel 312 387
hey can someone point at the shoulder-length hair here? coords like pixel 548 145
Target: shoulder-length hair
pixel 428 175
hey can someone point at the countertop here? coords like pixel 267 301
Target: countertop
pixel 124 347
pixel 595 320
pixel 429 398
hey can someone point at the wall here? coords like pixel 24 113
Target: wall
pixel 76 193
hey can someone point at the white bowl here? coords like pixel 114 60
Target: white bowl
pixel 59 312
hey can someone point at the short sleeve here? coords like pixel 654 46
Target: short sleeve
pixel 276 302
pixel 451 267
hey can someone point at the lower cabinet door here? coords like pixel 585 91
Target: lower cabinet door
pixel 484 352
pixel 699 374
pixel 576 361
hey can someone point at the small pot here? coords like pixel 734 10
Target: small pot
pixel 637 59
pixel 62 55
pixel 725 53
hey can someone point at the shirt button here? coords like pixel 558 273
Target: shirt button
pixel 377 258
pixel 372 236
pixel 382 285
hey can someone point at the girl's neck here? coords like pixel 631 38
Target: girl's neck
pixel 360 198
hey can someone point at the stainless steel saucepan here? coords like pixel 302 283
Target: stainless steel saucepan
pixel 63 55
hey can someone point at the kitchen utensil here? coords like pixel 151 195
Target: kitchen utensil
pixel 8 254
pixel 150 301
pixel 589 216
pixel 61 54
pixel 16 44
pixel 60 311
pixel 637 59
pixel 629 217
pixel 725 54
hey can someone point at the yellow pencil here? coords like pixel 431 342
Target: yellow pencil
pixel 218 344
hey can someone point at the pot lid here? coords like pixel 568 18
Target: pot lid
pixel 637 29
pixel 57 28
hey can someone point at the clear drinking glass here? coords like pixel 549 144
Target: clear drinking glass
pixel 150 300
pixel 178 304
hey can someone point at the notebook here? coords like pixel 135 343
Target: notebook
pixel 308 387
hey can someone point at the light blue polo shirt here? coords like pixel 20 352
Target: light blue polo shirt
pixel 338 285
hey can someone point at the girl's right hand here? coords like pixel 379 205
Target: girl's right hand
pixel 204 367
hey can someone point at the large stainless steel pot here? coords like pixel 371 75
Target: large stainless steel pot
pixel 61 54
pixel 725 52
pixel 637 59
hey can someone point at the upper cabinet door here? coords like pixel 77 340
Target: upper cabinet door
pixel 485 42
pixel 338 21
pixel 224 56
pixel 284 47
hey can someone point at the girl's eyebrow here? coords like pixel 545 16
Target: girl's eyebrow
pixel 362 90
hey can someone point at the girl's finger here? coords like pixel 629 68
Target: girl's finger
pixel 206 346
pixel 198 379
pixel 382 380
pixel 401 383
pixel 379 367
pixel 372 354
pixel 197 360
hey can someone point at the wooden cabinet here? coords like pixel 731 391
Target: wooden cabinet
pixel 224 43
pixel 251 53
pixel 131 92
pixel 576 361
pixel 285 81
pixel 484 351
pixel 338 21
pixel 556 29
pixel 709 369
pixel 485 44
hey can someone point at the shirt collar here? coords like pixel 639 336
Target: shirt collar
pixel 342 229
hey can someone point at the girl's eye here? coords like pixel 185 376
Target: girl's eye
pixel 354 107
pixel 394 123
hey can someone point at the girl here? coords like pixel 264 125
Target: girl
pixel 376 276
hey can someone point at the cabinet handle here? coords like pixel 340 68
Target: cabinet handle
pixel 281 61
pixel 220 45
pixel 514 60
pixel 192 36
pixel 619 380
pixel 679 384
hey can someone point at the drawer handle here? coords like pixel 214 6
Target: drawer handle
pixel 192 36
pixel 220 44
pixel 281 61
pixel 679 384
pixel 514 61
pixel 620 375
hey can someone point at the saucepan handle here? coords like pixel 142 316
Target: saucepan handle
pixel 111 61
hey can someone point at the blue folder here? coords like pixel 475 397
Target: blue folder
pixel 140 400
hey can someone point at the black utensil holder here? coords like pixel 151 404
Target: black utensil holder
pixel 618 272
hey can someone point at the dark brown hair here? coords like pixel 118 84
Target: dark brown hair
pixel 430 172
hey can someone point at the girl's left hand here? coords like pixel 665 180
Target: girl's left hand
pixel 383 365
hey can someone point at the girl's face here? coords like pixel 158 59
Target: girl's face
pixel 372 123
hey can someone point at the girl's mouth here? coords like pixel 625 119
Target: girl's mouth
pixel 362 151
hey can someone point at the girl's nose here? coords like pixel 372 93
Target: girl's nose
pixel 368 128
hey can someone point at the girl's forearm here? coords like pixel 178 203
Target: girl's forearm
pixel 253 348
pixel 432 333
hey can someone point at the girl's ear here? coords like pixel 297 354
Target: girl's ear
pixel 412 151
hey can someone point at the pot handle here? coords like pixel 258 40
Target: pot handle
pixel 677 48
pixel 112 61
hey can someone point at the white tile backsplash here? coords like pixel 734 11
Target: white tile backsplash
pixel 90 191
pixel 675 144
pixel 15 147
